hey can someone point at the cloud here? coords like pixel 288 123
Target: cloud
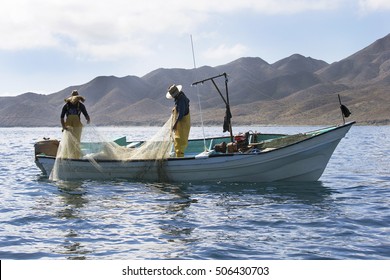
pixel 374 5
pixel 291 6
pixel 108 30
pixel 98 30
pixel 47 44
pixel 224 53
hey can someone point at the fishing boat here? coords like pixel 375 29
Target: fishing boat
pixel 245 157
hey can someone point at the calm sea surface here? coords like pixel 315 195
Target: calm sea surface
pixel 346 215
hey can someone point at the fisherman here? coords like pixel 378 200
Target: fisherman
pixel 72 109
pixel 181 118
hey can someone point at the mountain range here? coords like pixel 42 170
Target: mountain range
pixel 295 90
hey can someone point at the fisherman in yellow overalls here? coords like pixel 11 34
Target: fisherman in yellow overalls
pixel 72 127
pixel 181 118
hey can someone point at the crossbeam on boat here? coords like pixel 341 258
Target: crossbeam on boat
pixel 228 115
pixel 208 79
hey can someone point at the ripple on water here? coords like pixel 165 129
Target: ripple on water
pixel 344 216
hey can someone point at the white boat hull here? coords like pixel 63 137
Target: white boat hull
pixel 305 160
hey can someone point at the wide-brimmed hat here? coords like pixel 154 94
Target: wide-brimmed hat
pixel 74 97
pixel 173 91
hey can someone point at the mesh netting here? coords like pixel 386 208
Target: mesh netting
pixel 154 151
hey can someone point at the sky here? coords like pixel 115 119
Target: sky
pixel 48 45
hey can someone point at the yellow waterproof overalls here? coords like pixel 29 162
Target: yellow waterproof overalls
pixel 72 137
pixel 181 133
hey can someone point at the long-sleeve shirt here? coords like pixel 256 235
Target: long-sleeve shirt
pixel 182 104
pixel 74 109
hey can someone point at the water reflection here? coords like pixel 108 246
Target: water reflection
pixel 342 217
pixel 300 192
pixel 72 197
pixel 175 222
pixel 232 213
pixel 172 221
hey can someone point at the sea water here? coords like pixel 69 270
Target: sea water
pixel 345 215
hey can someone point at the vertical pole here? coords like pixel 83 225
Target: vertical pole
pixel 228 106
pixel 342 114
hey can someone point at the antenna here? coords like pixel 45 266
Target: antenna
pixel 197 90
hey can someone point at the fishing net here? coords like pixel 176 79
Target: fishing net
pixel 153 152
pixel 69 148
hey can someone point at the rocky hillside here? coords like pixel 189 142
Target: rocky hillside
pixel 294 90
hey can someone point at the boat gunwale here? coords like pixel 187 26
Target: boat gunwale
pixel 326 131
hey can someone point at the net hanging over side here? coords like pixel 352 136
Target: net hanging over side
pixel 153 151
